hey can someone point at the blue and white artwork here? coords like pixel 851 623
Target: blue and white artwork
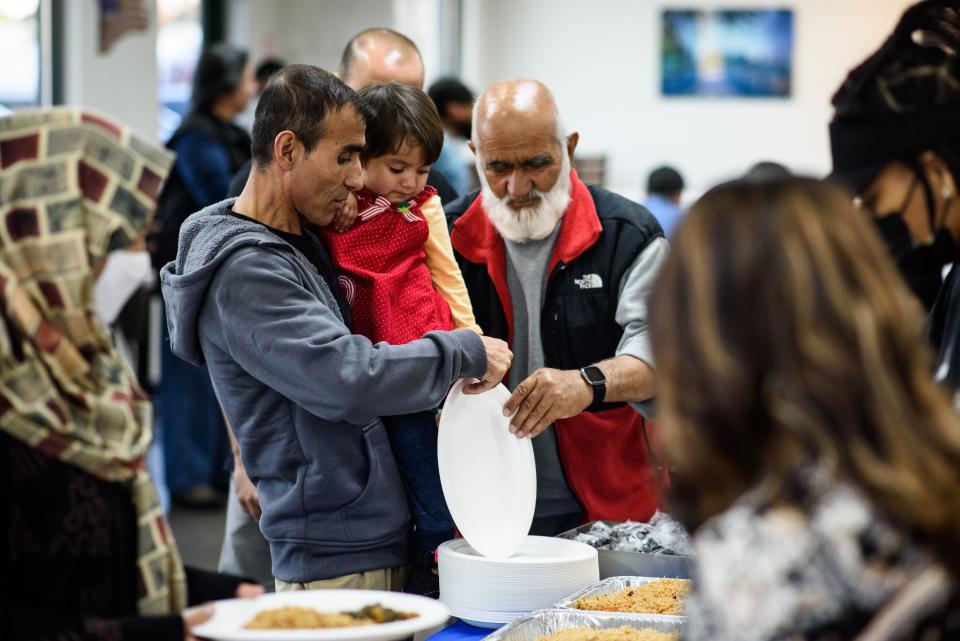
pixel 736 52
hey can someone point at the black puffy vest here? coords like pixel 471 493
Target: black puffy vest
pixel 578 326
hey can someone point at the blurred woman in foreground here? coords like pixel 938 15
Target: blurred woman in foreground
pixel 811 454
pixel 86 553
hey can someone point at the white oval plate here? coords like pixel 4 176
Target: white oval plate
pixel 231 615
pixel 488 475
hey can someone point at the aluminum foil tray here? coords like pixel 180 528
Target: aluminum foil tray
pixel 609 586
pixel 536 624
pixel 621 562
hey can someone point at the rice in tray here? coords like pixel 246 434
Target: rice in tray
pixel 624 633
pixel 657 597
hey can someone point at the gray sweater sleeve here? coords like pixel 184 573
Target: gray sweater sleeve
pixel 632 308
pixel 282 335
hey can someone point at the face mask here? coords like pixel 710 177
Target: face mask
pixel 921 264
pixel 124 273
pixel 463 129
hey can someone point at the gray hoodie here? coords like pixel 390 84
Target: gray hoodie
pixel 303 394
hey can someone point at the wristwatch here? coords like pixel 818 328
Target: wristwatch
pixel 594 377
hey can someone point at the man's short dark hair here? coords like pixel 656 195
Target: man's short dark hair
pixel 349 52
pixel 766 170
pixel 665 181
pixel 298 99
pixel 449 90
pixel 401 113
pixel 267 68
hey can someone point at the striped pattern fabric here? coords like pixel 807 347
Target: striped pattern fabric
pixel 73 187
pixel 381 204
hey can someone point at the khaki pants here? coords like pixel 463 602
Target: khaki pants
pixel 386 579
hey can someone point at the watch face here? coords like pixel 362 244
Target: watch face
pixel 594 375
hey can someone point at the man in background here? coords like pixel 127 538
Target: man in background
pixel 262 75
pixel 664 188
pixel 375 56
pixel 379 55
pixel 454 103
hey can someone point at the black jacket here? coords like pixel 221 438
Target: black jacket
pixel 599 239
pixel 580 303
pixel 68 563
pixel 176 202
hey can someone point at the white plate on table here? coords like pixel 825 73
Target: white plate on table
pixel 488 475
pixel 231 615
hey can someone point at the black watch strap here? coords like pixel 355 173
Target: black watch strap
pixel 594 377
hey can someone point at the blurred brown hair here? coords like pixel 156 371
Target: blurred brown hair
pixel 401 113
pixel 784 338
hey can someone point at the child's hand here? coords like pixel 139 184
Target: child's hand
pixel 347 215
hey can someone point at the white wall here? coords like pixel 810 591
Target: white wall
pixel 419 20
pixel 316 31
pixel 601 59
pixel 304 31
pixel 121 83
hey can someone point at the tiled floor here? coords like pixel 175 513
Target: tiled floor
pixel 199 534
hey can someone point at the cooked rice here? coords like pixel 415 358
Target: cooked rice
pixel 624 633
pixel 292 617
pixel 657 597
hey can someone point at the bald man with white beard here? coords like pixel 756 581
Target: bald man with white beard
pixel 561 271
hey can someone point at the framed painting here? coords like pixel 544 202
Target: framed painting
pixel 735 53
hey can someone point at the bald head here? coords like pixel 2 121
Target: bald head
pixel 519 140
pixel 516 106
pixel 377 56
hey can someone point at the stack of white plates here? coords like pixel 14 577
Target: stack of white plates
pixel 497 572
pixel 489 592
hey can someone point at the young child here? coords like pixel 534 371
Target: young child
pixel 401 280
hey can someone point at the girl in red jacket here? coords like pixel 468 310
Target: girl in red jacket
pixel 400 277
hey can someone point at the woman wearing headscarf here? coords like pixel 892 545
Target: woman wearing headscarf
pixel 86 551
pixel 811 454
pixel 895 138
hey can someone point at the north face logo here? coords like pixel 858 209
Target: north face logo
pixel 589 281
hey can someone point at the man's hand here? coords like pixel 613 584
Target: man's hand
pixel 544 397
pixel 499 357
pixel 347 216
pixel 249 591
pixel 246 490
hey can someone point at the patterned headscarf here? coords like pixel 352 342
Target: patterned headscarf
pixel 73 187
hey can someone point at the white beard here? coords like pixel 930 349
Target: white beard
pixel 529 223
